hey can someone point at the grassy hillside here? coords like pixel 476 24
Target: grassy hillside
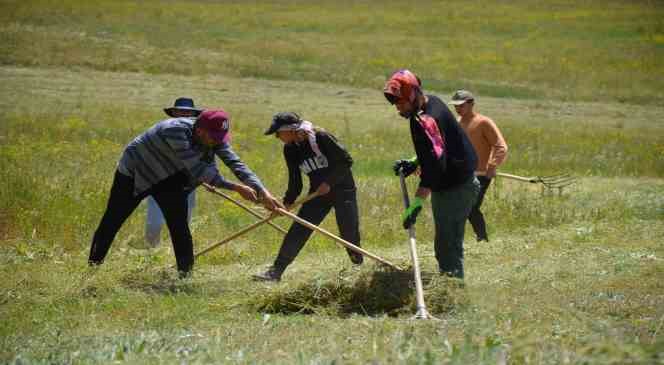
pixel 571 278
pixel 569 50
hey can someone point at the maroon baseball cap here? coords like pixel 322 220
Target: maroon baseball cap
pixel 217 123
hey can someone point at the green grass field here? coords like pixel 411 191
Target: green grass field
pixel 571 278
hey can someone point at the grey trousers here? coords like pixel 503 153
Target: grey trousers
pixel 450 210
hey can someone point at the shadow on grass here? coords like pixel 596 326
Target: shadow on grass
pixel 151 282
pixel 159 282
pixel 372 293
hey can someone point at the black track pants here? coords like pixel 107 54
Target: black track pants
pixel 476 218
pixel 344 202
pixel 171 197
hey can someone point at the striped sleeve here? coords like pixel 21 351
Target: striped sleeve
pixel 239 168
pixel 180 142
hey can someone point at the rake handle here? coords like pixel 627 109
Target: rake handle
pixel 252 226
pixel 516 177
pixel 236 234
pixel 337 239
pixel 213 190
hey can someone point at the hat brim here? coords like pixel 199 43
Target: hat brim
pixel 458 102
pixel 273 129
pixel 169 111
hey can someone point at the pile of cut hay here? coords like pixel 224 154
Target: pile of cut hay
pixel 382 291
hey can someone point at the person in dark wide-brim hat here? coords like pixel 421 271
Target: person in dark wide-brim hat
pixel 183 107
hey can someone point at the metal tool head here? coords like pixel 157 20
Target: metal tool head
pixel 422 313
pixel 556 181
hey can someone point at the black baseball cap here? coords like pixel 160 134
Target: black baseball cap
pixel 281 119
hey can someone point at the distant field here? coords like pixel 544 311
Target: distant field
pixel 566 50
pixel 569 278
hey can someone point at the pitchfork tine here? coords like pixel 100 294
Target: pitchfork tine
pixel 560 182
pixel 549 182
pixel 554 178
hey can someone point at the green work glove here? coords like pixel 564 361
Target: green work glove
pixel 407 167
pixel 409 215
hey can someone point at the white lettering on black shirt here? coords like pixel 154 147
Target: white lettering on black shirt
pixel 313 164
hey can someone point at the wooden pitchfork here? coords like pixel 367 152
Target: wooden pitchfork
pixel 550 182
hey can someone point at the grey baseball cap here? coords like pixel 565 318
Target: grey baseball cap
pixel 461 96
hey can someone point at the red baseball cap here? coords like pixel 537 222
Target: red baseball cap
pixel 217 123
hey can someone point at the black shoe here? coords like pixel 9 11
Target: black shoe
pixel 272 274
pixel 355 258
pixel 94 263
pixel 184 274
pixel 455 274
pixel 485 239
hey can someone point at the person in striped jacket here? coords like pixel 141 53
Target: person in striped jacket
pixel 167 162
pixel 154 219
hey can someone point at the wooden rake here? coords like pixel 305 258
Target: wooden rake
pixel 213 190
pixel 253 225
pixel 304 223
pixel 339 240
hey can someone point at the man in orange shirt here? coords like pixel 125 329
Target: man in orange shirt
pixel 490 147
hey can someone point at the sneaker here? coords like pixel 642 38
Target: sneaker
pixel 355 258
pixel 272 274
